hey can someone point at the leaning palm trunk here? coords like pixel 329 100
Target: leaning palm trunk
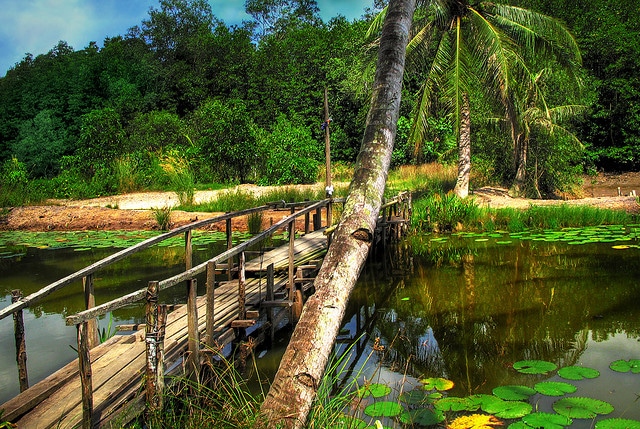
pixel 302 367
pixel 464 149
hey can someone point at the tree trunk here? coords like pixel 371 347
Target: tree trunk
pixel 464 149
pixel 520 180
pixel 302 367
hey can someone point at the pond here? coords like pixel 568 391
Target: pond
pixel 463 308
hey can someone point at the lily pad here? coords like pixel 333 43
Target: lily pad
pixel 534 366
pixel 632 365
pixel 554 388
pixel 437 384
pixel 508 409
pixel 452 403
pixel 581 408
pixel 618 424
pixel 547 420
pixel 578 372
pixel 513 393
pixel 384 409
pixel 376 390
pixel 422 417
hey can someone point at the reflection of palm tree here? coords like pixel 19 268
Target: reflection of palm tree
pixel 462 43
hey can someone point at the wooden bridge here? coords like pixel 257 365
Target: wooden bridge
pixel 104 387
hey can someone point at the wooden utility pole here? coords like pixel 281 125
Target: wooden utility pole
pixel 302 367
pixel 327 155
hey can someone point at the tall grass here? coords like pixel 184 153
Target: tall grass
pixel 425 178
pixel 239 200
pixel 181 178
pixel 444 213
pixel 162 215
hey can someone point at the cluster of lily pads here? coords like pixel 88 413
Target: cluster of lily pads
pixel 572 236
pixel 428 404
pixel 14 243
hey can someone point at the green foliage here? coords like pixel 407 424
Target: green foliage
pixel 254 222
pixel 162 216
pixel 13 183
pixel 290 154
pixel 443 212
pixel 224 137
pixel 181 178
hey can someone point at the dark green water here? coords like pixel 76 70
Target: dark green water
pixel 465 309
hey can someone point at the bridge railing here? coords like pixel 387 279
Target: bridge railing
pixel 87 275
pixel 156 314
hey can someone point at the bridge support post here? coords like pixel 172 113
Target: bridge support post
pixel 193 359
pixel 84 360
pixel 21 348
pixel 90 302
pixel 210 316
pixel 155 326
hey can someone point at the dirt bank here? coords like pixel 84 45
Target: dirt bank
pixel 133 211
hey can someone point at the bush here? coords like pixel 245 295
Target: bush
pixel 13 183
pixel 290 155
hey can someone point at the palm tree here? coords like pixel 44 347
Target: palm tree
pixel 461 44
pixel 531 118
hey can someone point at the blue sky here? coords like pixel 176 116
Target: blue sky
pixel 36 26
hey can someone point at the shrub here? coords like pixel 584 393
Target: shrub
pixel 290 154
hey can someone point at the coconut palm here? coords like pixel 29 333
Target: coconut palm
pixel 461 44
pixel 533 118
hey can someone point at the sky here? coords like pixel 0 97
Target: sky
pixel 36 26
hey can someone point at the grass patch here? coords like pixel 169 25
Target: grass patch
pixel 426 178
pixel 162 215
pixel 238 199
pixel 446 213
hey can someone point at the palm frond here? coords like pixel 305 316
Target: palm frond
pixel 376 26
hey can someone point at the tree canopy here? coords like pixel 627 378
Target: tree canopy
pixel 70 118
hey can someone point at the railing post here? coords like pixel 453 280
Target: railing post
pixel 270 297
pixel 155 326
pixel 84 360
pixel 193 360
pixel 242 298
pixel 292 236
pixel 317 219
pixel 188 249
pixel 210 316
pixel 21 348
pixel 229 246
pixel 93 336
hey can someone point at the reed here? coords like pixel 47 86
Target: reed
pixel 162 216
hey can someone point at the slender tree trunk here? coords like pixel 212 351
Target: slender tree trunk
pixel 522 147
pixel 302 367
pixel 464 149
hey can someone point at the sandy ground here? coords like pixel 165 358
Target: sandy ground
pixel 134 211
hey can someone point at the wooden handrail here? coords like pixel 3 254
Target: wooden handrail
pixel 47 290
pixel 138 295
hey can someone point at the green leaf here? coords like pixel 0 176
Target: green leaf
pixel 452 403
pixel 519 425
pixel 513 393
pixel 508 409
pixel 547 420
pixel 554 388
pixel 534 366
pixel 376 390
pixel 618 424
pixel 632 365
pixel 581 408
pixel 437 384
pixel 422 417
pixel 384 409
pixel 578 372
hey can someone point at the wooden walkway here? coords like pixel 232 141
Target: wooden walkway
pixel 104 387
pixel 119 364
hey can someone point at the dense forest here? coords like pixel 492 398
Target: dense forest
pixel 185 97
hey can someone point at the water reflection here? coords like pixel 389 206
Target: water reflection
pixel 469 316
